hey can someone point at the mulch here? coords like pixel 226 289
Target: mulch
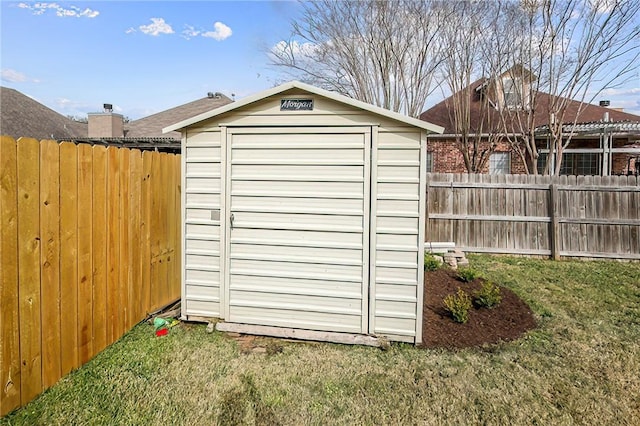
pixel 504 322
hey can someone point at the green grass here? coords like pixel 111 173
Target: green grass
pixel 581 366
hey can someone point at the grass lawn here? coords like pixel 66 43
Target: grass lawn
pixel 581 366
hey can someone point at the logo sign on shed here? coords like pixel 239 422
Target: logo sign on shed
pixel 296 104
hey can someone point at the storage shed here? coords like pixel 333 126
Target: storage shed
pixel 303 215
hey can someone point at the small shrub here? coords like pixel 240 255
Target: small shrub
pixel 431 263
pixel 467 274
pixel 488 296
pixel 458 305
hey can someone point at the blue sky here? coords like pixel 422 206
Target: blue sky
pixel 147 56
pixel 142 57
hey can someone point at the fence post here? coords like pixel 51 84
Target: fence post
pixel 555 225
pixel 426 211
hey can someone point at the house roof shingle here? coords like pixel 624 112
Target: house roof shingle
pixel 441 113
pixel 21 116
pixel 152 125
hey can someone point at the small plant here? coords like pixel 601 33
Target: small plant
pixel 458 305
pixel 488 296
pixel 467 274
pixel 431 263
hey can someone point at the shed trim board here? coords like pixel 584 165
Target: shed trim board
pixel 305 220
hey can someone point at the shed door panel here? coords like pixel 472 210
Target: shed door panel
pixel 298 220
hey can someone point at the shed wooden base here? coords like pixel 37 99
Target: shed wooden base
pixel 293 333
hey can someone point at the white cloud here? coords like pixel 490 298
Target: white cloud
pixel 220 32
pixel 130 30
pixel 70 11
pixel 603 6
pixel 157 27
pixel 190 31
pixel 621 92
pixel 12 76
pixel 294 49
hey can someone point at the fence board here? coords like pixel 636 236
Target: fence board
pixel 68 257
pixel 29 268
pixel 99 248
pixel 113 244
pixel 168 246
pixel 145 290
pixel 583 217
pixel 173 217
pixel 85 267
pixel 634 211
pixel 123 223
pixel 135 184
pixel 50 261
pixel 155 235
pixel 10 380
pixel 177 164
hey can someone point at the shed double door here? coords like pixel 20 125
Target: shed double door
pixel 297 230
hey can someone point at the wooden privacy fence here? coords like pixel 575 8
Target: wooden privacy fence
pixel 90 243
pixel 574 216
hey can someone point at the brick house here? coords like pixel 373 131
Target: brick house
pixel 605 141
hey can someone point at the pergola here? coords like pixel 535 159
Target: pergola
pixel 621 137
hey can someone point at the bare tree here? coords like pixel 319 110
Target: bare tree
pixel 385 53
pixel 473 48
pixel 576 49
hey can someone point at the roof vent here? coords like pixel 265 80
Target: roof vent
pixel 212 95
pixel 605 103
pixel 107 107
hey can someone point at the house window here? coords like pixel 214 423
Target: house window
pixel 429 162
pixel 574 163
pixel 580 164
pixel 513 96
pixel 542 162
pixel 500 163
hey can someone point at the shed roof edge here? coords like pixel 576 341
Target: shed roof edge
pixel 312 89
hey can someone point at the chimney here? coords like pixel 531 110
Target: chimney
pixel 105 124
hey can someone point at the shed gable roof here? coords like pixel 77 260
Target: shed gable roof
pixel 312 90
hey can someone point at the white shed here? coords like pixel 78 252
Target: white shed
pixel 303 215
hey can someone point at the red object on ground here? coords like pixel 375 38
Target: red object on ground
pixel 162 332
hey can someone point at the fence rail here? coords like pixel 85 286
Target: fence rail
pixel 89 245
pixel 572 216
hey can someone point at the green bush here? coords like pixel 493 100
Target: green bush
pixel 458 306
pixel 430 262
pixel 467 274
pixel 488 296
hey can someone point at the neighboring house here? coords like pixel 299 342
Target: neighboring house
pixel 23 116
pixel 152 125
pixel 604 141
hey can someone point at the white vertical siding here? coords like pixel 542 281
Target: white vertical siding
pixel 202 159
pixel 397 251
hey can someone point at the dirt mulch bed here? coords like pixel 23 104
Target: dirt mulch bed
pixel 505 322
